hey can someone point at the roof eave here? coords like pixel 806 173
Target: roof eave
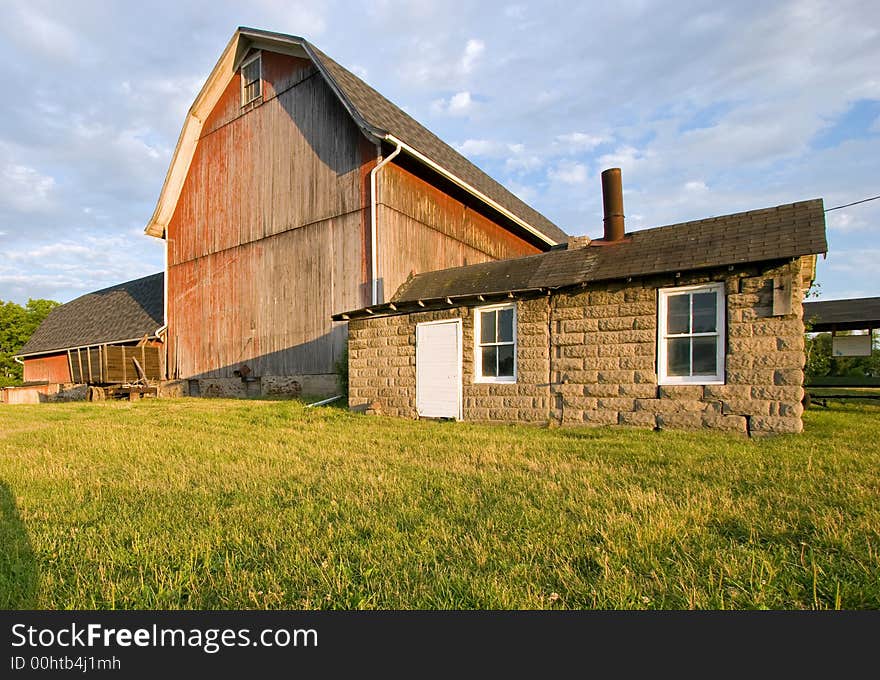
pixel 424 304
pixel 57 350
pixel 415 153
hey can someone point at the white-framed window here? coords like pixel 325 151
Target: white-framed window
pixel 251 79
pixel 495 344
pixel 690 335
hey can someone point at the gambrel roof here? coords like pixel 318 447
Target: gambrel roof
pixel 378 118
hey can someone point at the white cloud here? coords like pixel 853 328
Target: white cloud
pixel 846 221
pixel 580 141
pixel 521 161
pixel 569 173
pixel 481 147
pixel 624 157
pixel 854 261
pixel 695 187
pixel 44 35
pixel 472 51
pixel 24 189
pixel 72 266
pixel 459 104
pixel 305 19
pixel 517 158
pixel 436 62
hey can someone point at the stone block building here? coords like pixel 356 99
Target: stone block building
pixel 693 325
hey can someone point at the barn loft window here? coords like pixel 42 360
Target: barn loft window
pixel 691 335
pixel 251 79
pixel 495 344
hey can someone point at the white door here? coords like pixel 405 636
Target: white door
pixel 438 369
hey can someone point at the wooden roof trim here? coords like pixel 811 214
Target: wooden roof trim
pixel 410 306
pixel 205 100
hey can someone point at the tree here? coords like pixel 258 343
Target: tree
pixel 17 325
pixel 821 362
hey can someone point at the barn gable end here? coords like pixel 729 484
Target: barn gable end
pixel 268 212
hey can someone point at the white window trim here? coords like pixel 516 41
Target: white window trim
pixel 247 62
pixel 663 294
pixel 478 355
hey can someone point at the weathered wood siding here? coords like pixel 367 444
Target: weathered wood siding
pixel 270 234
pixel 52 368
pixel 295 159
pixel 114 364
pixel 423 229
pixel 268 304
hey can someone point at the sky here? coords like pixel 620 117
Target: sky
pixel 709 108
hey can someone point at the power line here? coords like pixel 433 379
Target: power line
pixel 864 200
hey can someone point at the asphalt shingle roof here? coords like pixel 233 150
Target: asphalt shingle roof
pixel 781 232
pixel 852 314
pixel 122 312
pixel 385 117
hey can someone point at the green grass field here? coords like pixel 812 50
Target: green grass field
pixel 265 504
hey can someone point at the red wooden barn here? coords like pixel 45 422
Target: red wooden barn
pixel 295 191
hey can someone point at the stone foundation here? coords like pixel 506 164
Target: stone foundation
pixel 170 389
pixel 322 385
pixel 588 357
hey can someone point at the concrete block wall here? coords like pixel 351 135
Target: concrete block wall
pixel 588 357
pixel 382 366
pixel 605 349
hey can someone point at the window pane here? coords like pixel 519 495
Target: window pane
pixel 505 325
pixel 704 313
pixel 505 361
pixel 490 358
pixel 251 71
pixel 678 356
pixel 678 312
pixel 705 356
pixel 487 326
pixel 251 76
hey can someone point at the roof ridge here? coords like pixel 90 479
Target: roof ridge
pixel 119 285
pixel 727 216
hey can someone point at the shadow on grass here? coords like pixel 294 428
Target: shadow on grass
pixel 18 566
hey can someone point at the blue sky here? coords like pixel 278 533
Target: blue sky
pixel 708 107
